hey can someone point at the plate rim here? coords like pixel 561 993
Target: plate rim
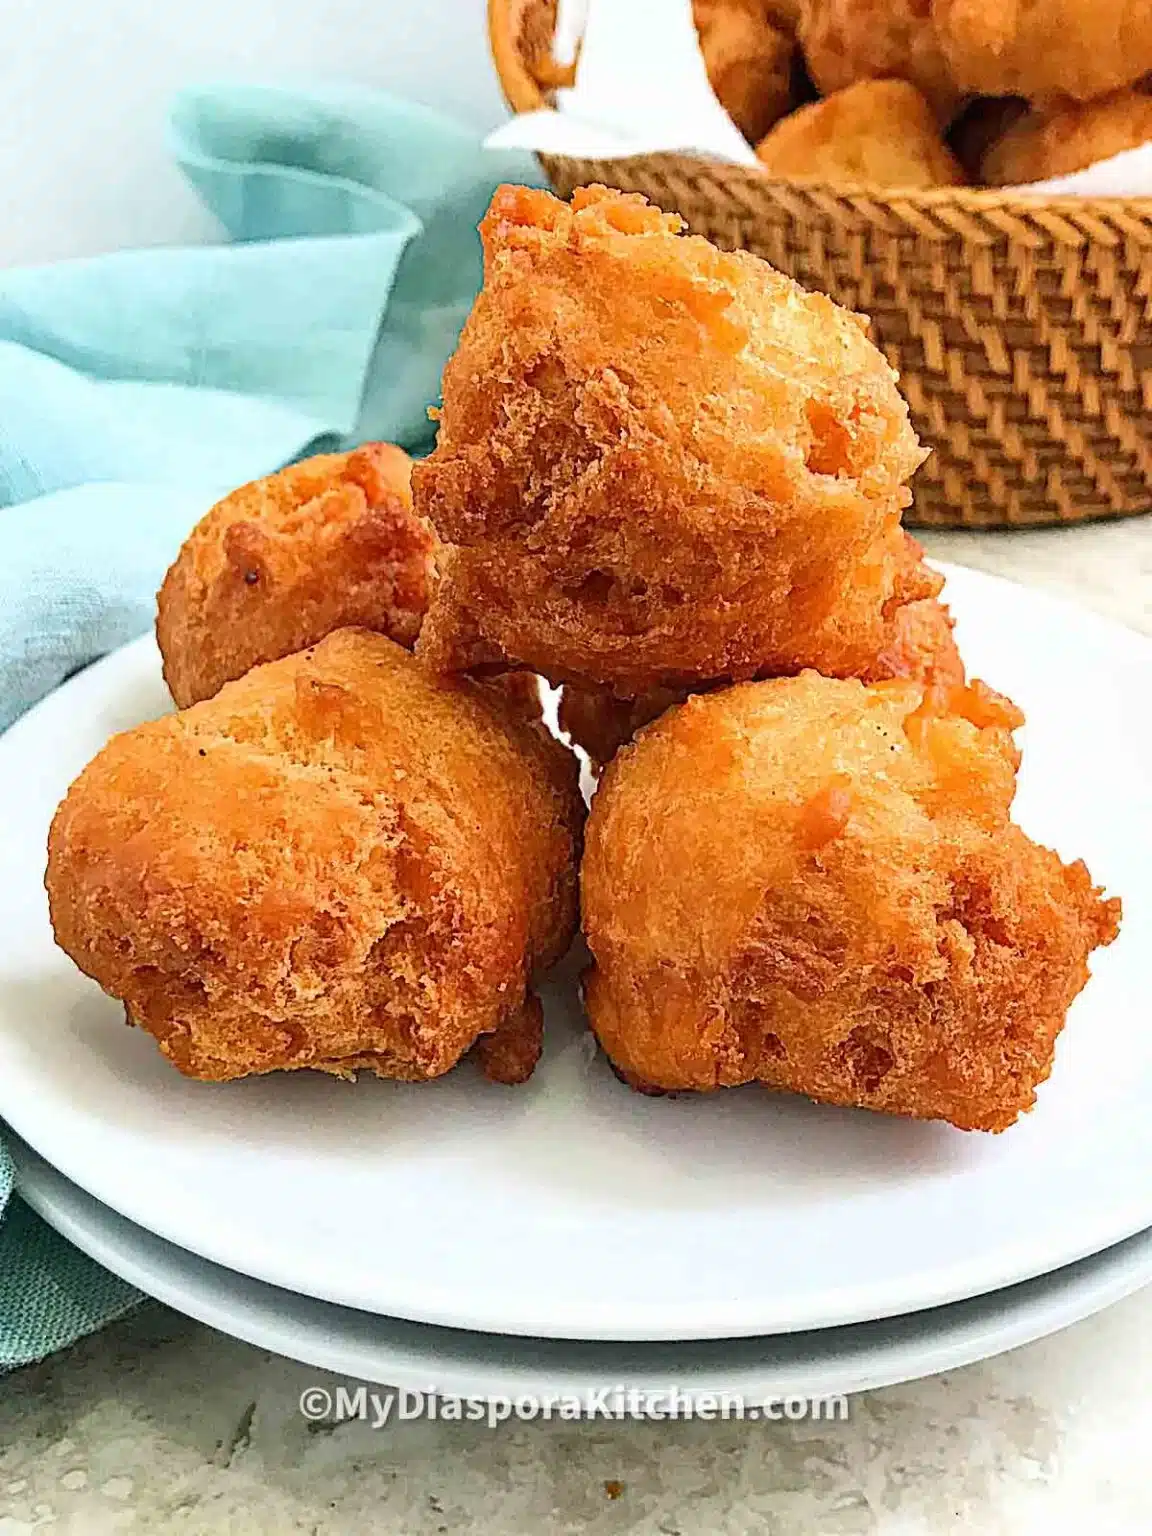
pixel 873 1354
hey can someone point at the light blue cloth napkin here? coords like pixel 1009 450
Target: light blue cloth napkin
pixel 136 388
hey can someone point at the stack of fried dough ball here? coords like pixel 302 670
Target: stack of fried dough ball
pixel 670 481
pixel 662 469
pixel 931 93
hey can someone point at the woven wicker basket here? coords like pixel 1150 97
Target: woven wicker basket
pixel 1021 326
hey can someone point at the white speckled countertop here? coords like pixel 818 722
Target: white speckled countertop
pixel 161 1425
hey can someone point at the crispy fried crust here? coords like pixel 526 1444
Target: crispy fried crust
pixel 600 723
pixel 1045 50
pixel 337 862
pixel 282 562
pixel 659 463
pixel 846 41
pixel 749 61
pixel 1070 138
pixel 919 645
pixel 922 648
pixel 878 133
pixel 509 1055
pixel 815 884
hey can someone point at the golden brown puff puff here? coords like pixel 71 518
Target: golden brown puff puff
pixel 280 563
pixel 522 35
pixel 878 133
pixel 814 884
pixel 1068 138
pixel 846 41
pixel 658 463
pixel 1045 50
pixel 339 861
pixel 749 61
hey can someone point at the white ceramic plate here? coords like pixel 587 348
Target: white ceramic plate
pixel 453 1362
pixel 572 1208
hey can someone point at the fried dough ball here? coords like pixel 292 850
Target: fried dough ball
pixel 1069 139
pixel 815 884
pixel 522 34
pixel 659 463
pixel 337 862
pixel 1045 49
pixel 749 61
pixel 879 133
pixel 282 562
pixel 846 41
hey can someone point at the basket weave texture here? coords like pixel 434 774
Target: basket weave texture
pixel 1021 327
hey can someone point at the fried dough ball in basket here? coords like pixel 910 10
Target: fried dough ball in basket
pixel 1045 50
pixel 280 563
pixel 1067 139
pixel 749 61
pixel 814 884
pixel 846 41
pixel 337 862
pixel 919 645
pixel 877 133
pixel 658 463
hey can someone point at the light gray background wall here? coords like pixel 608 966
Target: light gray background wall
pixel 84 85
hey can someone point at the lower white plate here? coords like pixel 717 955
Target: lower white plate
pixel 572 1208
pixel 451 1362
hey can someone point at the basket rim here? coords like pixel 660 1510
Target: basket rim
pixel 867 196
